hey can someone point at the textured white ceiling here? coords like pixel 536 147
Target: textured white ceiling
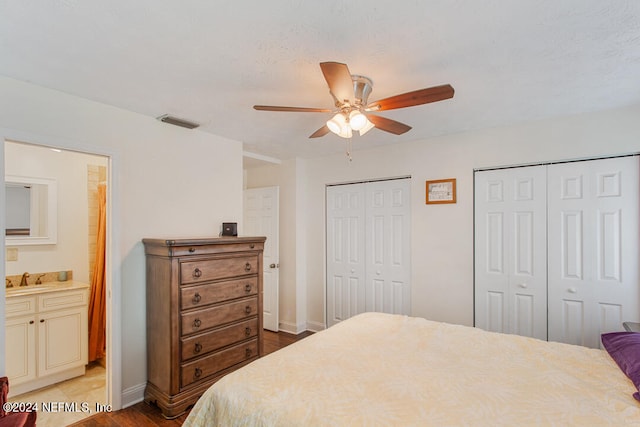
pixel 211 61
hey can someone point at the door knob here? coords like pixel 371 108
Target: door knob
pixel 523 285
pixel 272 265
pixel 573 290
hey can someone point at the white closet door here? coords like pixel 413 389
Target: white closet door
pixel 368 249
pixel 345 252
pixel 510 251
pixel 388 246
pixel 593 248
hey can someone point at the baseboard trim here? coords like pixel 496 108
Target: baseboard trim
pixel 295 329
pixel 133 395
pixel 315 326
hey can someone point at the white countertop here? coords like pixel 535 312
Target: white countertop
pixel 45 288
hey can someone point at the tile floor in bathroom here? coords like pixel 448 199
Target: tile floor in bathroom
pixel 85 392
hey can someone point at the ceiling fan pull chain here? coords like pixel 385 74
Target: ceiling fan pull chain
pixel 349 149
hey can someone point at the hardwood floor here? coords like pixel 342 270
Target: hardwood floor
pixel 142 414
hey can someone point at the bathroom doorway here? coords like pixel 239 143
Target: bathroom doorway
pixel 77 255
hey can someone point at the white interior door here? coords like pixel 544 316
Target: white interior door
pixel 368 249
pixel 510 251
pixel 593 248
pixel 261 218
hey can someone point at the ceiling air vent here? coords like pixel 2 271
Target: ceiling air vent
pixel 178 122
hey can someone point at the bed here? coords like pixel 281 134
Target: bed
pixel 392 370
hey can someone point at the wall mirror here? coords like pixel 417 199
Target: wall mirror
pixel 31 211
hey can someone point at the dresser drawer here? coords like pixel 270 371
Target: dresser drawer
pixel 207 366
pixel 217 268
pixel 201 320
pixel 205 343
pixel 198 296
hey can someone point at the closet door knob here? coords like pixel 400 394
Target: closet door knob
pixel 523 285
pixel 572 290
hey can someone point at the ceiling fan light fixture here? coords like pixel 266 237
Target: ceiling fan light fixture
pixel 357 120
pixel 346 131
pixel 367 127
pixel 336 123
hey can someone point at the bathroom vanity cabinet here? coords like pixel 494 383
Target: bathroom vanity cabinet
pixel 46 335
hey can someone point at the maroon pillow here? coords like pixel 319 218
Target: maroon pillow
pixel 624 348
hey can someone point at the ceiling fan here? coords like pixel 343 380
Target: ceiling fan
pixel 352 111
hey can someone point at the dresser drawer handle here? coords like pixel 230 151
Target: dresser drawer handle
pixel 197 273
pixel 247 267
pixel 196 298
pixel 197 373
pixel 192 250
pixel 252 245
pixel 247 331
pixel 197 323
pixel 247 309
pixel 247 352
pixel 198 348
pixel 247 288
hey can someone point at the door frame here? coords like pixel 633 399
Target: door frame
pixel 114 391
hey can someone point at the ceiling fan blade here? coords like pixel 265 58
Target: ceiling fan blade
pixel 291 109
pixel 410 99
pixel 320 132
pixel 388 125
pixel 339 80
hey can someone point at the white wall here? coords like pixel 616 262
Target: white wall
pixel 166 182
pixel 442 235
pixel 69 169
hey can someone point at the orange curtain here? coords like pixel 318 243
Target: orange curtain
pixel 97 301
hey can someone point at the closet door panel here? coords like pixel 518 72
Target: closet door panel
pixel 593 248
pixel 345 252
pixel 510 256
pixel 388 225
pixel 368 249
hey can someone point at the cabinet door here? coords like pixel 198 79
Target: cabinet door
pixel 20 346
pixel 62 340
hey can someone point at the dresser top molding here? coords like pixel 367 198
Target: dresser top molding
pixel 172 247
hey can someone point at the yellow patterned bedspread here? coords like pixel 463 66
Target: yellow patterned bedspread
pixel 389 370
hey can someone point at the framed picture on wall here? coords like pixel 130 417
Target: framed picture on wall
pixel 441 191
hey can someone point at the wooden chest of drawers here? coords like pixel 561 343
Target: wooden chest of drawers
pixel 204 315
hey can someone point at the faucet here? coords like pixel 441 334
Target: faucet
pixel 38 281
pixel 7 283
pixel 23 281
